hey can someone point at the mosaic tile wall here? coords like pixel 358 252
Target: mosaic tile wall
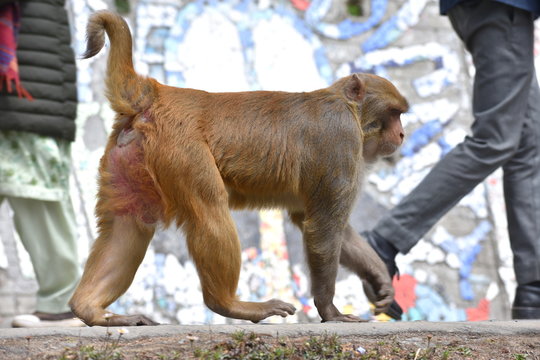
pixel 461 270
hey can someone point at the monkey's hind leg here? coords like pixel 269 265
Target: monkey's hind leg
pixel 109 271
pixel 214 245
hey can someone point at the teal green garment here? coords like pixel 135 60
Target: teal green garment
pixel 34 166
pixel 34 179
pixel 48 233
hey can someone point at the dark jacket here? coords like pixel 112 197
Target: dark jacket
pixel 529 5
pixel 47 71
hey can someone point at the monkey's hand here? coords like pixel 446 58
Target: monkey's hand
pixel 359 256
pixel 331 314
pixel 382 297
pixel 345 318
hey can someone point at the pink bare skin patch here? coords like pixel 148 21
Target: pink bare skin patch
pixel 134 190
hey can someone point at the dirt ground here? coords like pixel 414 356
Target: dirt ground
pixel 243 345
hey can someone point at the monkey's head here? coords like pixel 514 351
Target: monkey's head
pixel 382 107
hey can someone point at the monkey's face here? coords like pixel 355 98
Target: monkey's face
pixel 392 133
pixel 382 107
pixel 384 136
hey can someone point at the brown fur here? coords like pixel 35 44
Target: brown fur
pixel 184 157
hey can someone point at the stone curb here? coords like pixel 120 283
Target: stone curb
pixel 522 327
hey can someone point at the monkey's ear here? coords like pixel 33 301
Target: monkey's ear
pixel 355 88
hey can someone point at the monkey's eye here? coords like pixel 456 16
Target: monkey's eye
pixel 372 126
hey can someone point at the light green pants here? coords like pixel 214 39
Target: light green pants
pixel 48 232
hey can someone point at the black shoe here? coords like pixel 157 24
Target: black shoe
pixel 387 252
pixel 527 301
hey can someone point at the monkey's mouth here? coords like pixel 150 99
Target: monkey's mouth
pixel 388 149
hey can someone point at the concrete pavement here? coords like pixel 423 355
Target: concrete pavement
pixel 511 328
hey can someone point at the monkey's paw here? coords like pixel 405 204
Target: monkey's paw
pixel 275 307
pixel 130 320
pixel 344 318
pixel 382 298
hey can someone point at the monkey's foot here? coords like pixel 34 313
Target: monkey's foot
pixel 277 307
pixel 131 320
pixel 122 320
pixel 256 311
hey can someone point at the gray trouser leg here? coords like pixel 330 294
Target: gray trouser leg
pixel 522 195
pixel 504 133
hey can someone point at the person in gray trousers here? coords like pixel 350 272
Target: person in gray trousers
pixel 505 133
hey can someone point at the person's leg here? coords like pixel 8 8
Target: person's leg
pixel 500 39
pixel 47 231
pixel 522 198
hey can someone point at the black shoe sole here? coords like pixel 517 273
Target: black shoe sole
pixel 394 311
pixel 525 312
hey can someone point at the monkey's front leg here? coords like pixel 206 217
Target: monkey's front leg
pixel 111 266
pixel 323 244
pixel 358 256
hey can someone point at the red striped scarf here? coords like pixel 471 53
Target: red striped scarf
pixel 9 68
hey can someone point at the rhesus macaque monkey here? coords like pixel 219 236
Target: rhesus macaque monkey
pixel 186 156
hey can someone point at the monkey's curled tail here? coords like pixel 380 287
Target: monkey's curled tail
pixel 128 92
